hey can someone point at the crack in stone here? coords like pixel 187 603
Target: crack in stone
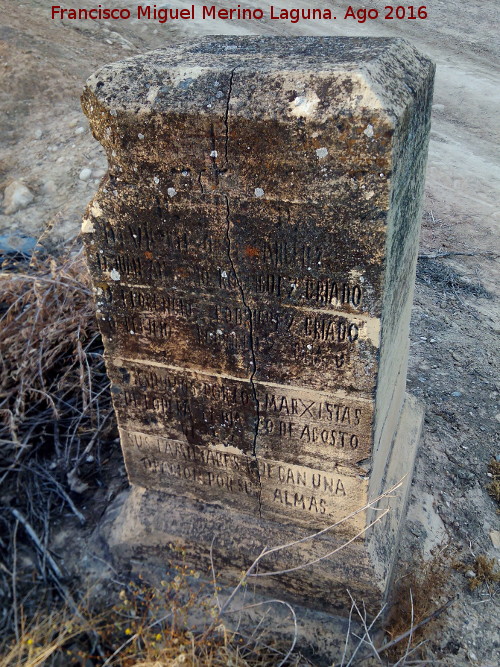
pixel 252 351
pixel 200 183
pixel 246 306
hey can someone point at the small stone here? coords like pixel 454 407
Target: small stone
pixel 470 574
pixel 456 394
pixel 85 174
pixel 75 483
pixel 472 656
pixel 495 538
pixel 49 187
pixel 79 130
pixel 38 134
pixel 171 192
pixel 12 244
pixel 368 131
pixel 259 192
pixel 73 123
pixel 321 152
pixel 213 154
pixel 16 197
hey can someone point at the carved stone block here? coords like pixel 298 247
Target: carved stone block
pixel 253 252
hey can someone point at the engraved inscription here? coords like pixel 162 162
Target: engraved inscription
pixel 307 428
pixel 183 247
pixel 280 488
pixel 195 333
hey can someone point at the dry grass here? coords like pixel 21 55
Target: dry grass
pixel 416 597
pixel 51 362
pixel 55 411
pixel 486 572
pixel 146 627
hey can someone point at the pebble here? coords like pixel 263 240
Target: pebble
pixel 16 197
pixel 17 243
pixel 80 130
pixel 495 538
pixel 470 574
pixel 38 134
pixel 456 394
pixel 85 174
pixel 49 187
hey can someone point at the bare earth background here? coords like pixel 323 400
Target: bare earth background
pixel 45 142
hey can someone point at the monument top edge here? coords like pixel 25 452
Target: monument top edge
pixel 268 54
pixel 379 64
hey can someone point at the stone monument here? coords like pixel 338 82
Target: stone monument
pixel 253 252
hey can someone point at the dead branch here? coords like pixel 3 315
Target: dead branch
pixel 438 254
pixel 327 555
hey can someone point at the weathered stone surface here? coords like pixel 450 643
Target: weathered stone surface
pixel 253 250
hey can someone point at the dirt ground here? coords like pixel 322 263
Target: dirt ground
pixel 46 143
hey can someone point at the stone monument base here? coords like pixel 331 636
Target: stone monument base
pixel 145 529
